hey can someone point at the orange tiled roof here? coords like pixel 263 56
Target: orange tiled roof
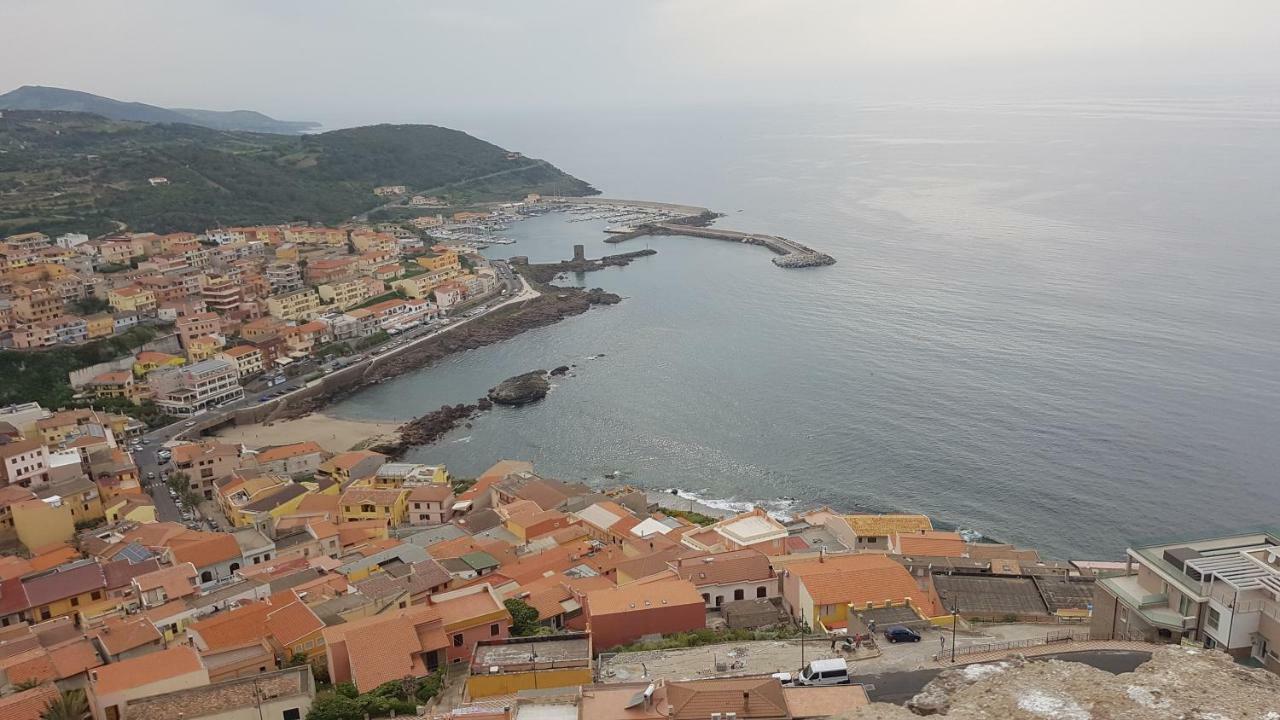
pixel 858 579
pixel 146 669
pixel 292 622
pixel 118 635
pixel 76 657
pixel 28 704
pixel 203 549
pixel 461 610
pixel 637 596
pixel 282 452
pixel 243 626
pixel 932 543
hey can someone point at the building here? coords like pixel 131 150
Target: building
pixel 409 642
pixel 617 616
pixel 188 390
pixel 196 325
pixel 117 383
pixel 24 463
pixel 506 667
pixel 112 687
pixel 302 458
pixel 247 359
pixel 43 522
pixel 282 695
pixel 149 360
pixel 1223 592
pixel 132 299
pixel 387 505
pixel 430 504
pixel 297 305
pixel 726 577
pixel 736 698
pixel 823 592
pixel 352 465
pixel 344 294
pixel 221 293
pixel 754 528
pixel 283 277
pixel 471 614
pixel 206 462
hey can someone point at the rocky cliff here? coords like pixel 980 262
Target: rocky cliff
pixel 1181 683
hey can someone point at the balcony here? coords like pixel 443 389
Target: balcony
pixel 1152 607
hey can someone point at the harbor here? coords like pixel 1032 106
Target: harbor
pixel 635 218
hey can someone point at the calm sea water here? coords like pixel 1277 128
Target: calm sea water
pixel 1056 323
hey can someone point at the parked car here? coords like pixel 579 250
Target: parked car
pixel 899 633
pixel 151 476
pixel 833 671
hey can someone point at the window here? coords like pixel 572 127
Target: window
pixel 739 594
pixel 494 629
pixel 367 508
pixel 95 595
pixel 1184 606
pixel 235 567
pixel 457 640
pixel 1214 617
pixel 705 598
pixel 75 602
pixel 44 613
pixel 206 577
pixel 762 591
pixel 292 714
pixel 417 506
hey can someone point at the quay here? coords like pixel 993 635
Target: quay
pixel 693 221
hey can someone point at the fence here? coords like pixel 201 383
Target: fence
pixel 1058 636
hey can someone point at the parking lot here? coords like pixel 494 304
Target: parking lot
pixel 770 656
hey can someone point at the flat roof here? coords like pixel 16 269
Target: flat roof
pixel 519 656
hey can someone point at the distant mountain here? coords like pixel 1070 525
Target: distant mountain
pixel 71 171
pixel 35 97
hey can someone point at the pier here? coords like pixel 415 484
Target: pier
pixel 692 221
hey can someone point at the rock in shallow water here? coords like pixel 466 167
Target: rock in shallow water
pixel 521 389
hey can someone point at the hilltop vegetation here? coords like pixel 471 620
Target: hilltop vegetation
pixel 63 171
pixel 36 97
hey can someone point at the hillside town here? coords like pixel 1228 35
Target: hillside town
pixel 165 572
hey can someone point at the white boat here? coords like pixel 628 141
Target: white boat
pixel 619 229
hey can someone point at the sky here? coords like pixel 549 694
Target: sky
pixel 345 63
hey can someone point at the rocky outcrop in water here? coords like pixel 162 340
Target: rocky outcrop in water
pixel 521 389
pixel 428 428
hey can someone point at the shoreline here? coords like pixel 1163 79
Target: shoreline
pixel 332 433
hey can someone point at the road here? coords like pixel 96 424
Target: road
pixel 167 509
pixel 899 687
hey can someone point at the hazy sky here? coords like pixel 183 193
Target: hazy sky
pixel 349 62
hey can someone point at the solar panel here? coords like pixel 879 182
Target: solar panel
pixel 135 553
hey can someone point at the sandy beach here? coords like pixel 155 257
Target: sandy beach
pixel 333 434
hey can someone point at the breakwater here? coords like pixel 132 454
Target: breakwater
pixel 791 254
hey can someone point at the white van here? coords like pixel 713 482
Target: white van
pixel 834 671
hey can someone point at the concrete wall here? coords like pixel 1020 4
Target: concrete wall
pixel 619 628
pixel 165 344
pixel 479 686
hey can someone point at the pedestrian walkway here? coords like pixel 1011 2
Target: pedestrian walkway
pixel 1049 649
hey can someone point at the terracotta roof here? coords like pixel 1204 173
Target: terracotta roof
pixel 885 525
pixel 64 582
pixel 638 596
pixel 13 597
pixel 146 669
pixel 751 698
pixel 178 581
pixel 348 460
pixel 76 657
pixel 322 528
pixel 721 568
pixel 118 635
pixel 33 664
pixel 858 579
pixel 12 566
pixel 234 628
pixel 430 493
pixel 203 549
pixel 189 452
pixel 241 350
pixel 463 609
pixel 387 647
pixel 282 452
pixel 28 704
pixel 375 496
pixel 931 543
pixel 319 503
pixel 292 622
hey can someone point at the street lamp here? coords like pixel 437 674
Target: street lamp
pixel 955 618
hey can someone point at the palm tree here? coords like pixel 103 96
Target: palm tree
pixel 70 705
pixel 31 682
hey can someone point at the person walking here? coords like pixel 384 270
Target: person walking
pixel 942 641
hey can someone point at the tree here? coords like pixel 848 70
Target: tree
pixel 179 482
pixel 70 705
pixel 335 707
pixel 297 659
pixel 524 618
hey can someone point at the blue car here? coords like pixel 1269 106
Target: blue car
pixel 898 633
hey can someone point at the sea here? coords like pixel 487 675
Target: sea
pixel 1052 322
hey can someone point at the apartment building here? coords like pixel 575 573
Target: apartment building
pixel 132 299
pixel 36 304
pixel 187 390
pixel 24 463
pixel 221 293
pixel 344 294
pixel 297 305
pixel 247 359
pixel 1223 592
pixel 284 277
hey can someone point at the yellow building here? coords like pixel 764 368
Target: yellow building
pixel 68 589
pixel 81 495
pixel 345 294
pixel 148 360
pixel 387 505
pixel 502 667
pixel 447 260
pixel 117 383
pixel 132 299
pixel 247 358
pixel 130 508
pixel 297 305
pixel 40 523
pixel 100 325
pixel 419 286
pixel 202 348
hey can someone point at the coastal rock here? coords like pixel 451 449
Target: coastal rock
pixel 563 369
pixel 426 429
pixel 521 389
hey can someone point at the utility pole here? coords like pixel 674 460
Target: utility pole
pixel 955 619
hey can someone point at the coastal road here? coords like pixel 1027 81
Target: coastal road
pixel 899 687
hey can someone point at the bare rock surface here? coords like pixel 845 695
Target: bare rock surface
pixel 1176 684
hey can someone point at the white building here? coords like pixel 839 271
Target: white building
pixel 188 390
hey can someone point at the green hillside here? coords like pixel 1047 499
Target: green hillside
pixel 63 171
